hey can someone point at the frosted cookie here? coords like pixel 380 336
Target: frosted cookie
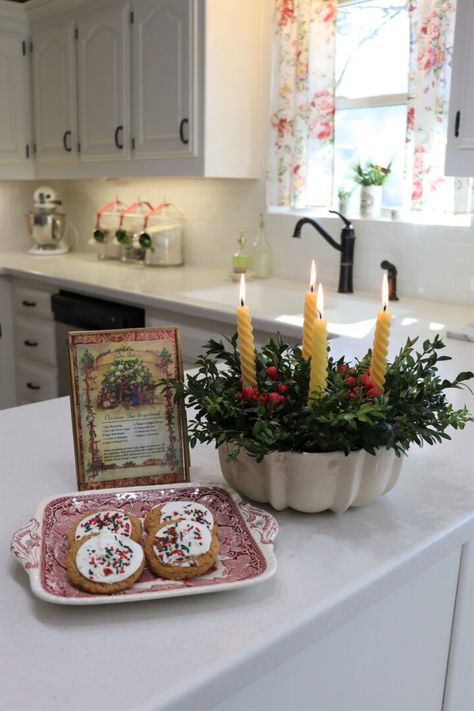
pixel 105 563
pixel 121 522
pixel 181 549
pixel 178 511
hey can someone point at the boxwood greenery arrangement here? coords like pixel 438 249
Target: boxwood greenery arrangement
pixel 277 415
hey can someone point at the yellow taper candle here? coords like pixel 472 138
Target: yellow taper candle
pixel 319 352
pixel 246 344
pixel 309 313
pixel 378 364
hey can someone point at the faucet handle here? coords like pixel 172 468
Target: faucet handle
pixel 392 279
pixel 347 222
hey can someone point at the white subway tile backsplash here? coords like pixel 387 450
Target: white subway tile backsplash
pixel 434 262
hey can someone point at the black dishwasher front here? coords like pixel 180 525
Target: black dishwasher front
pixel 78 312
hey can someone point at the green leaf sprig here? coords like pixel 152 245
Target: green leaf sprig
pixel 351 415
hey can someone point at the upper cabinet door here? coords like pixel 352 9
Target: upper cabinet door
pixel 163 49
pixel 460 146
pixel 15 133
pixel 103 85
pixel 54 89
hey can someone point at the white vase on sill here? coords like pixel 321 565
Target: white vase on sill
pixel 371 200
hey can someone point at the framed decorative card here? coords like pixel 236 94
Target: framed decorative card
pixel 128 430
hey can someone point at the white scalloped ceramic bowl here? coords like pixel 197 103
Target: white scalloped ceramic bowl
pixel 313 482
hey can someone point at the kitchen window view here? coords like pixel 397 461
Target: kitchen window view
pixel 360 98
pixel 371 87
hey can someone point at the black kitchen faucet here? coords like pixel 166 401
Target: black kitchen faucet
pixel 346 248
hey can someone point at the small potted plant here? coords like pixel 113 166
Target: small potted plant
pixel 344 449
pixel 371 177
pixel 343 195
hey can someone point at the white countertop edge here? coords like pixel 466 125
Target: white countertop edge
pixel 240 669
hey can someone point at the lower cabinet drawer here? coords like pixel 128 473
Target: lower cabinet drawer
pixel 35 340
pixel 32 302
pixel 36 382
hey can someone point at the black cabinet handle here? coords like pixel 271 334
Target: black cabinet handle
pixel 116 137
pixel 67 148
pixel 32 386
pixel 457 122
pixel 183 123
pixel 25 302
pixel 31 344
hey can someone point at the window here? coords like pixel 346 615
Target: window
pixel 371 71
pixel 362 80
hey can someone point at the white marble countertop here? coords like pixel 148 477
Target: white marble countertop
pixel 330 567
pixel 165 288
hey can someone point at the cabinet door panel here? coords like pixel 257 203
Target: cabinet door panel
pixel 14 108
pixel 460 147
pixel 163 49
pixel 103 75
pixel 54 87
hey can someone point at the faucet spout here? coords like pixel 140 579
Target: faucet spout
pixel 345 247
pixel 318 228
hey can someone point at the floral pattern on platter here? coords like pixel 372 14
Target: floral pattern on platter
pixel 303 104
pixel 241 528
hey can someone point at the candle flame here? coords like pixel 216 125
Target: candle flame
pixel 320 301
pixel 385 291
pixel 312 280
pixel 242 290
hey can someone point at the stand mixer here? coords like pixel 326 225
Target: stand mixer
pixel 46 224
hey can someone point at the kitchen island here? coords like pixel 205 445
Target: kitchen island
pixel 368 610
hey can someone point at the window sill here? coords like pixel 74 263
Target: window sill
pixel 407 217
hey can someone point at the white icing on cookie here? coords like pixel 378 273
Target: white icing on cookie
pixel 178 543
pixel 113 521
pixel 109 558
pixel 186 510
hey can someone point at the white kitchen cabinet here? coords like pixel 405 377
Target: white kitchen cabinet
pixel 162 60
pixel 103 84
pixel 16 145
pixel 7 358
pixel 163 87
pixel 460 146
pixel 54 92
pixel 35 343
pixel 390 657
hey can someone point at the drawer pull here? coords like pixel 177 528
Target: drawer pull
pixel 31 344
pixel 25 302
pixel 32 386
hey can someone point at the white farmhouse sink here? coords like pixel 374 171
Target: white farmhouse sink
pixel 347 314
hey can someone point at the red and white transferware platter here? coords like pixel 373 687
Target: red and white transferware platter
pixel 246 536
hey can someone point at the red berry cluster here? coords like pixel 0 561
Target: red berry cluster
pixel 272 398
pixel 361 385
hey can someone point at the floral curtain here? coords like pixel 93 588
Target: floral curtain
pixel 431 43
pixel 302 103
pixel 303 106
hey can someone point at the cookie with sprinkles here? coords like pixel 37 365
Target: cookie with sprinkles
pixel 181 549
pixel 115 521
pixel 178 511
pixel 105 563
